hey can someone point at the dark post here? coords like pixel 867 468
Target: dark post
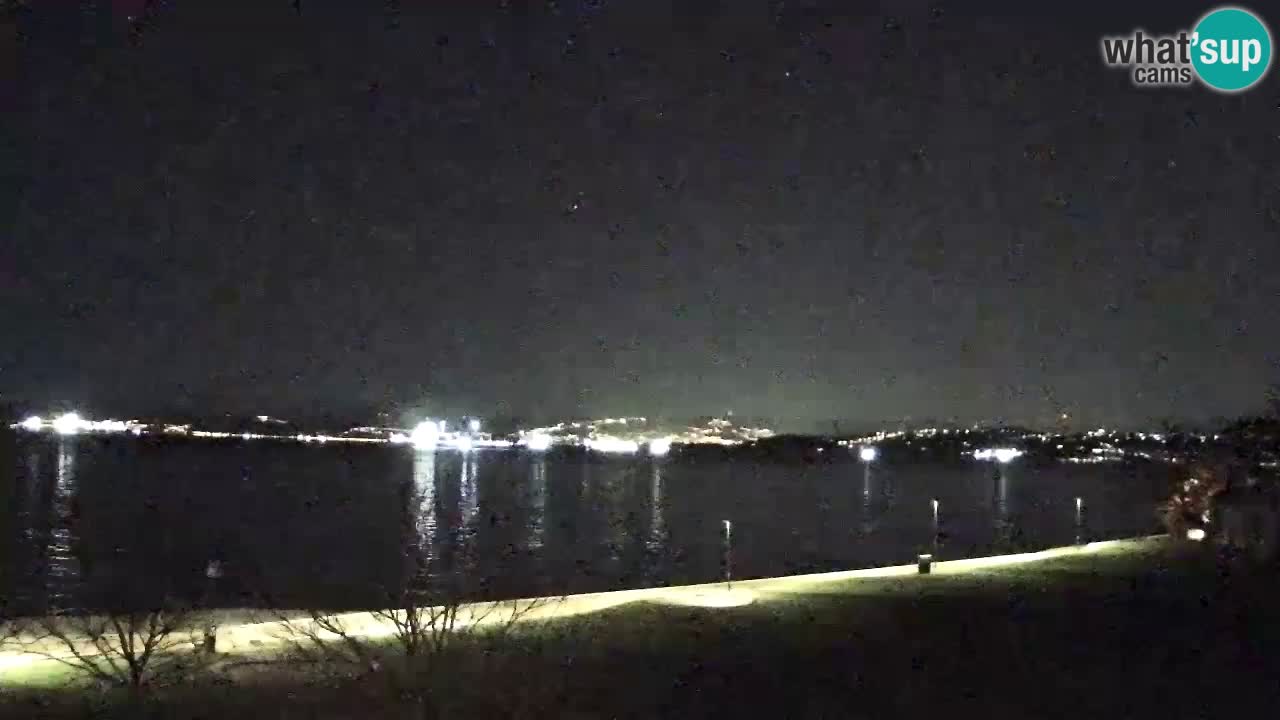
pixel 728 554
pixel 212 573
pixel 925 563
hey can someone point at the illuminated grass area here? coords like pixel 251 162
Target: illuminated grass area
pixel 249 638
pixel 1132 629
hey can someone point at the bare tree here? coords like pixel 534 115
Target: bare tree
pixel 134 649
pixel 8 630
pixel 420 636
pixel 404 640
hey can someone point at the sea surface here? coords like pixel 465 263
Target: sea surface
pixel 91 522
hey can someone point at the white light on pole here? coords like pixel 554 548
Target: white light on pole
pixel 728 553
pixel 474 425
pixel 33 424
pixel 868 453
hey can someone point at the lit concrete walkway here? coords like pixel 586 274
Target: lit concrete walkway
pixel 246 638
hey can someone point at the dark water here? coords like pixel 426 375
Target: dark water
pixel 85 521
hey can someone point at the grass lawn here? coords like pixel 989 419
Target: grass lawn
pixel 1149 630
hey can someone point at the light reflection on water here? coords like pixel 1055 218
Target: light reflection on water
pixel 536 497
pixel 45 568
pixel 321 523
pixel 424 483
pixel 63 566
pixel 657 529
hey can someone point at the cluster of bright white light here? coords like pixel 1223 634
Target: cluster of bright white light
pixel 1000 455
pixel 659 446
pixel 325 438
pixel 321 439
pixel 426 436
pixel 537 442
pixel 72 424
pixel 68 424
pixel 868 453
pixel 1196 534
pixel 608 444
pixel 604 432
pixel 432 434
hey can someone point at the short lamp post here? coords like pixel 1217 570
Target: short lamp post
pixel 728 554
pixel 925 563
pixel 1079 521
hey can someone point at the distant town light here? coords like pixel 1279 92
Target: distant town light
pixel 1005 455
pixel 463 443
pixel 426 436
pixel 34 423
pixel 659 446
pixel 868 453
pixel 112 426
pixel 613 445
pixel 68 424
pixel 537 442
pixel 1000 455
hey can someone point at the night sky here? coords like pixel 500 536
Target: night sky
pixel 804 211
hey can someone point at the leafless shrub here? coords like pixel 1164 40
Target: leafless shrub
pixel 8 633
pixel 1192 490
pixel 415 626
pixel 131 649
pixel 412 644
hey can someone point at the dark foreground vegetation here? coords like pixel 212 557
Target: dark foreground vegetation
pixel 1160 632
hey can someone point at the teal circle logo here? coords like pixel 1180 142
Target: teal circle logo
pixel 1231 49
